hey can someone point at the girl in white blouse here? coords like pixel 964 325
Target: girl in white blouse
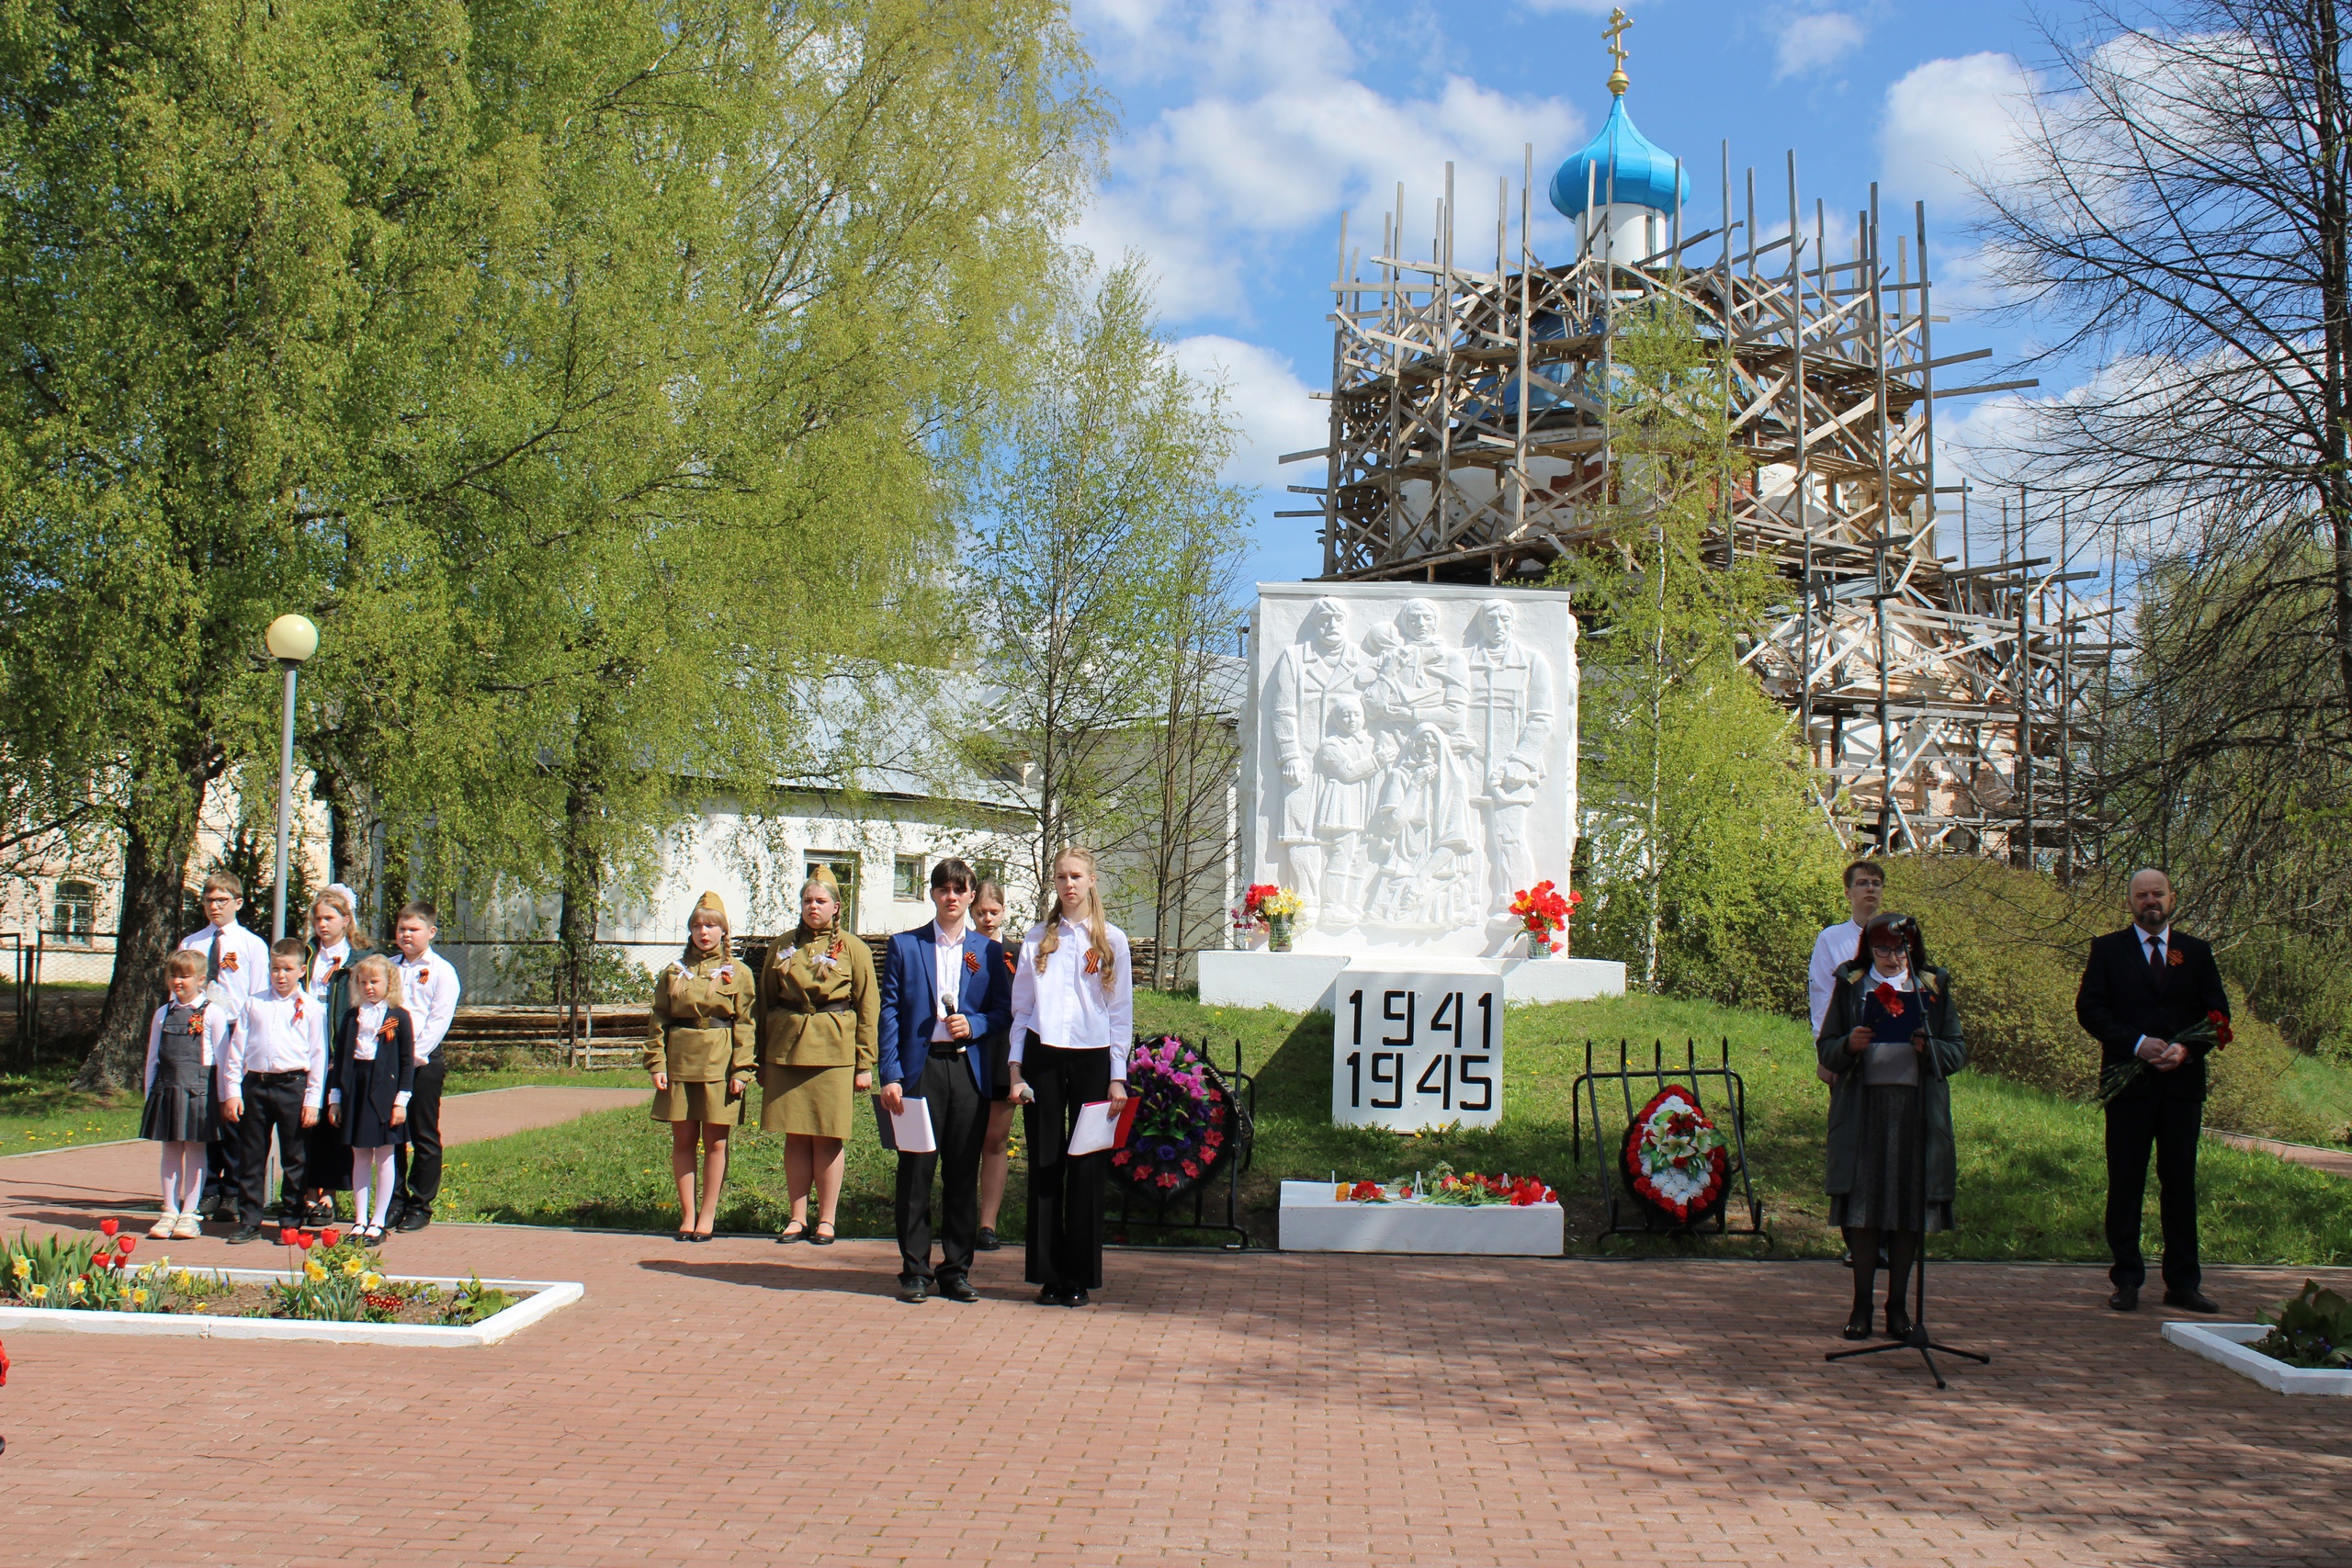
pixel 1073 1023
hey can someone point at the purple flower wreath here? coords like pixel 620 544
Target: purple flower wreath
pixel 1186 1127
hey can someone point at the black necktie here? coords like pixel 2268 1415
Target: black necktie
pixel 2156 958
pixel 212 960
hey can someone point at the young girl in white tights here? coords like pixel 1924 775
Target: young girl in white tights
pixel 185 1042
pixel 370 1078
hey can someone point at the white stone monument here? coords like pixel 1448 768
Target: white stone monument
pixel 1407 764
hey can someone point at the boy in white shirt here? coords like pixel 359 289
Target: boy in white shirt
pixel 236 970
pixel 429 986
pixel 274 1078
pixel 1841 944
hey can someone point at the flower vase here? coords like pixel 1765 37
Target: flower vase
pixel 1278 933
pixel 1537 947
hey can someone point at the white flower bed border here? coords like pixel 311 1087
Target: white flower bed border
pixel 548 1296
pixel 2226 1343
pixel 1311 1220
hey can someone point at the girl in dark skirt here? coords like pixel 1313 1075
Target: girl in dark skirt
pixel 185 1041
pixel 1891 1170
pixel 370 1078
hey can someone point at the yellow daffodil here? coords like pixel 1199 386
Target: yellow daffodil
pixel 73 1287
pixel 180 1280
pixel 20 1266
pixel 139 1298
pixel 370 1280
pixel 314 1269
pixel 40 1292
pixel 353 1265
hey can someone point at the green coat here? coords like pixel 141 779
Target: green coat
pixel 1946 1054
pixel 699 1029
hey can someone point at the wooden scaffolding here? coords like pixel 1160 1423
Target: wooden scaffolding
pixel 1946 703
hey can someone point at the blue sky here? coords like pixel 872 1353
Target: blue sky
pixel 1248 126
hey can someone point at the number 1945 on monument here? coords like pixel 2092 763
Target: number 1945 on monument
pixel 1415 1050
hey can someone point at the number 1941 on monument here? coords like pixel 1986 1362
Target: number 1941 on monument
pixel 1411 1051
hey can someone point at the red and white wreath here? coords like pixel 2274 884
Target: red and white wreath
pixel 1674 1156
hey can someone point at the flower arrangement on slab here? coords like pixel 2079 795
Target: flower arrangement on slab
pixel 1187 1125
pixel 1542 909
pixel 1673 1157
pixel 1271 908
pixel 1444 1186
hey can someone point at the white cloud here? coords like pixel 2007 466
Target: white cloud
pixel 1280 137
pixel 1812 42
pixel 1949 119
pixel 1270 404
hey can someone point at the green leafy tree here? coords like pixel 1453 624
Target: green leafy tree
pixel 1710 865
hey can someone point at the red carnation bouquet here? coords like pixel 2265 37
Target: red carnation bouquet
pixel 1887 996
pixel 1542 909
pixel 2212 1029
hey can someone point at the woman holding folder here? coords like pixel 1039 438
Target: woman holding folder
pixel 1073 1023
pixel 820 1007
pixel 1890 1039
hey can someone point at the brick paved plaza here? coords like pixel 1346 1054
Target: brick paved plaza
pixel 742 1402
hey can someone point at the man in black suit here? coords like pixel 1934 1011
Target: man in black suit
pixel 2142 986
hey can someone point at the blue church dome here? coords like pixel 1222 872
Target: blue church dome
pixel 1643 174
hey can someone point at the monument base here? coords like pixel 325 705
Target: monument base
pixel 1303 982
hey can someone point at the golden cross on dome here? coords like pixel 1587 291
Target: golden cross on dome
pixel 1614 34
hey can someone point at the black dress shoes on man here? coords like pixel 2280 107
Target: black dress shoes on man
pixel 414 1220
pixel 958 1290
pixel 2126 1299
pixel 2192 1301
pixel 1076 1299
pixel 1050 1297
pixel 911 1291
pixel 243 1233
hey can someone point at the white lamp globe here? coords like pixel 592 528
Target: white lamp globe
pixel 291 638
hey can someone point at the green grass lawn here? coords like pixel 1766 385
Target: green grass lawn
pixel 40 1110
pixel 2032 1178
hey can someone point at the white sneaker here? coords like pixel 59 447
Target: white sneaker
pixel 161 1228
pixel 189 1227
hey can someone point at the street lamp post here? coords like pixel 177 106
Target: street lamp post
pixel 291 639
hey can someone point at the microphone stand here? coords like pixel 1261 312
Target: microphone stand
pixel 1917 1339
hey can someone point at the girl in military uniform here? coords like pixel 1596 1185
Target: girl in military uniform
pixel 822 1007
pixel 699 1046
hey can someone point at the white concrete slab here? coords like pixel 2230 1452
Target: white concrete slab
pixel 1304 982
pixel 548 1295
pixel 1312 1220
pixel 2226 1343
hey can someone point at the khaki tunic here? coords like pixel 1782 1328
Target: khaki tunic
pixel 701 1030
pixel 809 1055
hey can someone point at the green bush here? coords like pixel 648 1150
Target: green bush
pixel 2015 942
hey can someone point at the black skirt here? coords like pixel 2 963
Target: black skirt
pixel 997 1045
pixel 366 1124
pixel 1890 1189
pixel 180 1108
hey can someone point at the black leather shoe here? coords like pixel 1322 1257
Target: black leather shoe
pixel 1856 1327
pixel 2126 1299
pixel 912 1293
pixel 243 1233
pixel 414 1220
pixel 958 1290
pixel 987 1241
pixel 1898 1323
pixel 2192 1301
pixel 1076 1299
pixel 1050 1297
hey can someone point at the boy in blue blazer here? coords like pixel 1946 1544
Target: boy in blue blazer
pixel 945 988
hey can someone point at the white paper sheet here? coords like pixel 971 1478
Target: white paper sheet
pixel 910 1130
pixel 1098 1127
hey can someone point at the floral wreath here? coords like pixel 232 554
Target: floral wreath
pixel 1673 1157
pixel 1187 1125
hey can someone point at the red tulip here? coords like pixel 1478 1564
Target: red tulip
pixel 126 1245
pixel 330 1237
pixel 108 1226
pixel 303 1239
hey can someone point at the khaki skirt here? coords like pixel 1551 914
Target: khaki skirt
pixel 697 1102
pixel 817 1102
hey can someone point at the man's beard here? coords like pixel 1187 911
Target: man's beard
pixel 2150 919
